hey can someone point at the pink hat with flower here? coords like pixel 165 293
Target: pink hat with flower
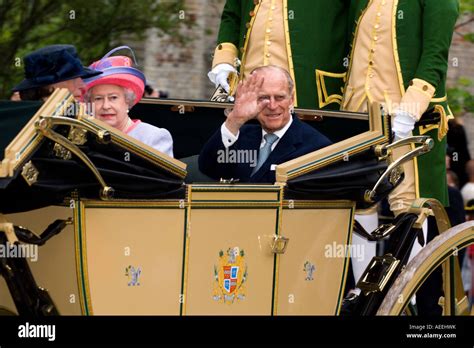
pixel 118 70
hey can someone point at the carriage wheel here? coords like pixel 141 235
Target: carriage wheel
pixel 442 250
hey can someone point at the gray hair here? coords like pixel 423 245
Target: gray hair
pixel 291 83
pixel 128 93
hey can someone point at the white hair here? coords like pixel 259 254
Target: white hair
pixel 289 80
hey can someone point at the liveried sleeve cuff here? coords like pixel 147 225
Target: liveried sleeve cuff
pixel 225 52
pixel 417 97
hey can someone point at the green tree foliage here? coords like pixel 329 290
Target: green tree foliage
pixel 466 9
pixel 93 26
pixel 461 101
pixel 466 6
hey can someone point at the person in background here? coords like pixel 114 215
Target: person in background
pixel 150 92
pixel 455 210
pixel 399 59
pixel 458 150
pixel 118 89
pixel 467 190
pixel 51 67
pixel 468 264
pixel 457 215
pixel 15 96
pixel 309 39
pixel 163 94
pixel 453 180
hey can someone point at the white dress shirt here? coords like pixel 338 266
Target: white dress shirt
pixel 228 139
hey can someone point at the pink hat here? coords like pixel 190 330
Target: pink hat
pixel 118 70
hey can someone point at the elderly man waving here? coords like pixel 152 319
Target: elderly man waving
pixel 252 151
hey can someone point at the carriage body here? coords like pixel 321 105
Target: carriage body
pixel 196 248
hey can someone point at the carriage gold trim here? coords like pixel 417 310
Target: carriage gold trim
pixel 261 248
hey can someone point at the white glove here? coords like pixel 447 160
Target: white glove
pixel 403 124
pixel 219 75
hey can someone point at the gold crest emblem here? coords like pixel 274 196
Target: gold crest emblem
pixel 230 276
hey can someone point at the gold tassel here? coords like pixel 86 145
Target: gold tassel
pixel 443 122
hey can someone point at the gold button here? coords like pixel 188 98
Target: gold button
pixel 376 38
pixel 247 25
pixel 241 50
pixel 425 87
pixel 273 7
pixel 268 54
pixel 411 83
pixel 269 30
pixel 376 26
pixel 379 14
pixel 372 50
pixel 252 13
pixel 269 43
pixel 371 63
pixel 270 19
pixel 219 47
pixel 371 75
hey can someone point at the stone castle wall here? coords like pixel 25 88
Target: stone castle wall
pixel 179 69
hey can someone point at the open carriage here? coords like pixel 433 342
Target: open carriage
pixel 143 233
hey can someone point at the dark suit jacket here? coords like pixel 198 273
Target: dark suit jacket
pixel 298 140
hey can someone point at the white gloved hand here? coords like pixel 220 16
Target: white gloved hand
pixel 403 124
pixel 219 75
